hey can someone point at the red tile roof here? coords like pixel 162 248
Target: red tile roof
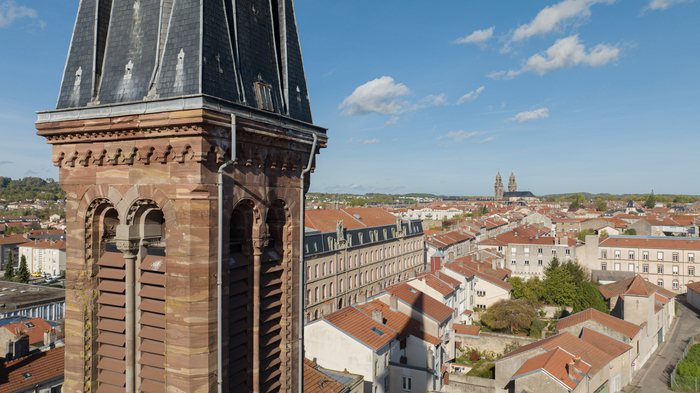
pixel 447 239
pixel 34 328
pixel 555 363
pixel 45 243
pixel 633 286
pixel 324 220
pixel 42 366
pixel 681 243
pixel 467 271
pixel 605 343
pixel 400 323
pixel 362 327
pixel 572 344
pixel 515 237
pixel 466 329
pixel 318 382
pixel 421 302
pixel 13 239
pixel 439 284
pixel 695 286
pixel 623 327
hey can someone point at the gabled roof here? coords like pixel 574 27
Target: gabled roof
pixel 665 242
pixel 441 285
pixel 555 363
pixel 34 328
pixel 45 244
pixel 42 366
pixel 623 327
pixel 318 382
pixel 362 327
pixel 400 323
pixel 572 344
pixel 447 239
pixel 635 286
pixel 421 302
pixel 605 343
pixel 467 271
pixel 695 286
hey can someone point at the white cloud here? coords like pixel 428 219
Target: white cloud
pixel 522 117
pixel 379 95
pixel 392 121
pixel 663 4
pixel 496 75
pixel 395 140
pixel 565 53
pixel 471 96
pixel 554 17
pixel 489 139
pixel 477 37
pixel 431 100
pixel 459 136
pixel 9 11
pixel 368 142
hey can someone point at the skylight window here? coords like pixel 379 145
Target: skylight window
pixel 27 375
pixel 29 324
pixel 413 290
pixel 379 332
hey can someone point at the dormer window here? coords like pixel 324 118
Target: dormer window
pixel 264 96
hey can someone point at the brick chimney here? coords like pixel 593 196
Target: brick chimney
pixel 49 336
pixel 378 316
pixel 570 368
pixel 577 363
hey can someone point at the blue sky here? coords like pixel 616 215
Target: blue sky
pixel 576 95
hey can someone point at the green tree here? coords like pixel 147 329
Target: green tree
pixel 651 201
pixel 509 314
pixel 581 236
pixel 23 271
pixel 9 269
pixel 631 232
pixel 603 233
pixel 574 205
pixel 560 283
pixel 590 297
pixel 601 206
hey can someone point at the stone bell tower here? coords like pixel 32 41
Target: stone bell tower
pixel 151 93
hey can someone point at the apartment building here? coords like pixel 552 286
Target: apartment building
pixel 669 262
pixel 527 254
pixel 44 256
pixel 352 254
pixel 451 245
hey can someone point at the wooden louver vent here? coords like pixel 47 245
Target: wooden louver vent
pixel 112 324
pixel 240 321
pixel 151 337
pixel 270 321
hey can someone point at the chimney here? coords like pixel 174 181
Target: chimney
pixel 437 273
pixel 393 303
pixel 9 350
pixel 36 241
pixel 49 336
pixel 577 363
pixel 378 317
pixel 571 369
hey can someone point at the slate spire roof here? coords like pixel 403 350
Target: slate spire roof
pixel 134 50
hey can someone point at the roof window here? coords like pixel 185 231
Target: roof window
pixel 379 332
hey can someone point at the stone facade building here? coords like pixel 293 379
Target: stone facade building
pixel 367 250
pixel 513 195
pixel 44 256
pixel 151 98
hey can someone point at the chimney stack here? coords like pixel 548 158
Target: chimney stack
pixel 437 273
pixel 393 303
pixel 571 369
pixel 49 336
pixel 378 316
pixel 577 363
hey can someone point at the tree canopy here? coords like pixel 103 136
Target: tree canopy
pixel 509 314
pixel 9 269
pixel 23 271
pixel 651 201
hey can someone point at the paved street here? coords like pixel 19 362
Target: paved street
pixel 655 374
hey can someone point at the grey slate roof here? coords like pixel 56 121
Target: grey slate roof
pixel 126 51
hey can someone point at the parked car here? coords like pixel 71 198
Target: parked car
pixel 37 274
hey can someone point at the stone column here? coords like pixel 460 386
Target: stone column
pixel 130 248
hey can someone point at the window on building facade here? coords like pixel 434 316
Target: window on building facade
pixel 630 267
pixel 316 294
pixel 604 254
pixel 645 268
pixel 660 283
pixel 340 286
pixel 330 289
pixel 539 251
pixel 323 269
pixel 308 296
pixel 645 255
pixel 674 269
pixel 660 269
pixel 675 284
pixel 264 96
pixel 603 266
pixel 539 262
pixel 527 262
pixel 512 261
pixel 340 265
pixel 527 250
pixel 323 292
pixel 513 250
pixel 617 266
pixel 617 254
pixel 631 254
pixel 675 257
pixel 554 252
pixel 691 270
pixel 691 257
pixel 568 251
pixel 316 271
pixel 659 256
pixel 308 273
pixel 406 383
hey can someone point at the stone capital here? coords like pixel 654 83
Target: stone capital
pixel 130 247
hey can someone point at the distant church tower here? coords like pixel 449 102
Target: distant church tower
pixel 498 187
pixel 512 187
